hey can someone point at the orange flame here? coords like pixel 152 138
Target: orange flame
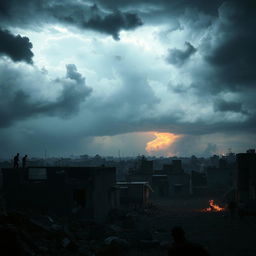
pixel 162 141
pixel 213 207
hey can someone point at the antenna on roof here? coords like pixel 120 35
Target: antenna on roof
pixel 119 154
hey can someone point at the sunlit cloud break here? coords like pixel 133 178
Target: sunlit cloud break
pixel 162 141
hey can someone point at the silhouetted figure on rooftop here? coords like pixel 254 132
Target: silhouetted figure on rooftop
pixel 16 161
pixel 24 161
pixel 181 246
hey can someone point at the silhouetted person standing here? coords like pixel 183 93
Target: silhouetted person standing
pixel 24 161
pixel 182 247
pixel 16 161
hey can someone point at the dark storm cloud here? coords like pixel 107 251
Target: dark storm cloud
pixel 175 124
pixel 19 101
pixel 125 110
pixel 109 23
pixel 18 48
pixel 190 145
pixel 73 93
pixel 232 106
pixel 167 5
pixel 178 57
pixel 224 63
pixel 166 12
pixel 230 47
pixel 113 23
pixel 79 14
pixel 227 68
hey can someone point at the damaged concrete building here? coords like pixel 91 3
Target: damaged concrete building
pixel 86 192
pixel 160 185
pixel 171 181
pixel 142 171
pixel 246 176
pixel 134 193
pixel 221 178
pixel 179 181
pixel 198 184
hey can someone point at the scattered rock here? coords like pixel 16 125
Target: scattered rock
pixel 117 241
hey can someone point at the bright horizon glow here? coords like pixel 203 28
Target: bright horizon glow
pixel 162 141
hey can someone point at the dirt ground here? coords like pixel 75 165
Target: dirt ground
pixel 216 231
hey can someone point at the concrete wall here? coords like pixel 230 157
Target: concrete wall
pixel 160 186
pixel 132 194
pixel 38 195
pixel 179 185
pixel 246 176
pixel 105 181
pixel 56 193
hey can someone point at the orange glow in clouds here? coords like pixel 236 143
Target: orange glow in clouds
pixel 162 141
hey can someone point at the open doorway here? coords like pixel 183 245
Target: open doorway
pixel 79 196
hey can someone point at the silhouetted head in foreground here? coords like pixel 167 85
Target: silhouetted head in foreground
pixel 182 247
pixel 178 234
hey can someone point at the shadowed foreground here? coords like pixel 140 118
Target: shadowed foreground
pixel 133 232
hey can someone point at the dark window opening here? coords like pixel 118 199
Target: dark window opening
pixel 178 188
pixel 79 196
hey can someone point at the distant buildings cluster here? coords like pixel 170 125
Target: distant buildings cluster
pixel 90 187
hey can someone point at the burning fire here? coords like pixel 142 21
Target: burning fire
pixel 213 207
pixel 162 141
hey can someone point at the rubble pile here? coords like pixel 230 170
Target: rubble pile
pixel 36 234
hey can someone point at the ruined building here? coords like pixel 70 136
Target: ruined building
pixel 134 193
pixel 246 176
pixel 172 181
pixel 142 171
pixel 86 192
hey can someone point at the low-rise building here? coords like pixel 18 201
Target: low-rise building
pixel 134 193
pixel 178 180
pixel 221 179
pixel 160 185
pixel 198 184
pixel 86 192
pixel 143 170
pixel 246 176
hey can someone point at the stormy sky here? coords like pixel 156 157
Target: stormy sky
pixel 87 77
